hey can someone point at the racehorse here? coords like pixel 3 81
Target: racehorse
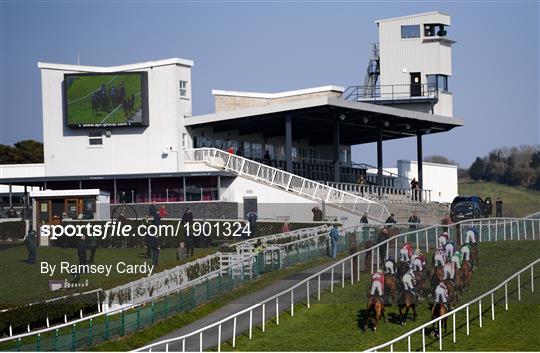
pixel 452 299
pixel 407 301
pixel 467 274
pixel 474 256
pixel 402 268
pixel 375 308
pixel 420 285
pixel 439 310
pixel 391 287
pixel 437 275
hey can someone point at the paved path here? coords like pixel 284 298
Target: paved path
pixel 210 337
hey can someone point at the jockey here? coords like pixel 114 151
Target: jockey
pixel 457 259
pixel 409 281
pixel 417 261
pixel 466 252
pixel 390 264
pixel 449 248
pixel 406 252
pixel 470 235
pixel 377 283
pixel 440 257
pixel 443 238
pixel 441 293
pixel 449 270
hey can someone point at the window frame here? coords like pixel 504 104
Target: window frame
pixel 183 89
pixel 416 27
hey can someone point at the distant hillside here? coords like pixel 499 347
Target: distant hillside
pixel 517 201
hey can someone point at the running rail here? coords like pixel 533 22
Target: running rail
pixel 349 262
pixel 465 307
pixel 289 182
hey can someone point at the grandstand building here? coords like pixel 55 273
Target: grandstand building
pixel 257 150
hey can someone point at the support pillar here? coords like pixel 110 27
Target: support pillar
pixel 379 159
pixel 10 195
pixel 420 159
pixel 288 142
pixel 337 163
pixel 184 188
pixel 115 192
pixel 219 187
pixel 150 189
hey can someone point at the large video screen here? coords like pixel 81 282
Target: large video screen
pixel 106 100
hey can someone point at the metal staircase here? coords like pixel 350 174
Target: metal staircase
pixel 288 182
pixel 372 73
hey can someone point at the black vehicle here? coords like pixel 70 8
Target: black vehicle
pixel 468 207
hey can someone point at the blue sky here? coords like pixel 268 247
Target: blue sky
pixel 280 46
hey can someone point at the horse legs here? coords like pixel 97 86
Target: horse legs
pixel 414 312
pixel 404 320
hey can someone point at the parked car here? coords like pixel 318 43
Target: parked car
pixel 468 207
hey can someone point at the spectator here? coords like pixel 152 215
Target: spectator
pixel 364 219
pixel 181 252
pixel 286 228
pixel 390 220
pixel 415 187
pixel 317 214
pixel 365 229
pixel 267 157
pixel 334 238
pixel 446 221
pixel 162 212
pixel 414 220
pixel 383 235
pixel 252 220
pixel 154 249
pixel 146 223
pixel 239 151
pixel 231 150
pixel 92 245
pixel 361 181
pixel 187 218
pixel 498 207
pixel 81 253
pixel 11 213
pixel 152 210
pixel 30 241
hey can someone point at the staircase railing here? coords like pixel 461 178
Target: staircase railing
pixel 289 182
pixel 385 193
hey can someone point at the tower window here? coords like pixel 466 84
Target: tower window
pixel 410 31
pixel 437 82
pixel 183 89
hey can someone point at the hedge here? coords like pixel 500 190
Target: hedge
pixel 12 230
pixel 36 314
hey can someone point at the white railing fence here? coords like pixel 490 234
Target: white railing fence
pixel 488 297
pixel 489 230
pixel 384 193
pixel 287 181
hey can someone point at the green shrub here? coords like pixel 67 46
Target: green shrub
pixel 12 230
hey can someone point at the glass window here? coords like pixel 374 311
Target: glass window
pixel 438 82
pixel 183 88
pixel 410 31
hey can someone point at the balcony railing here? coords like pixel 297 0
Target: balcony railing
pixel 392 93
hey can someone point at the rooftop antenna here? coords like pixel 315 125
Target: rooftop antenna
pixel 78 59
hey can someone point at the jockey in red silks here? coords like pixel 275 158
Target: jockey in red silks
pixel 406 252
pixel 377 283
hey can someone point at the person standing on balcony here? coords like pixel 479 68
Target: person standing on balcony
pixel 231 150
pixel 390 221
pixel 415 188
pixel 414 220
pixel 317 214
pixel 162 212
pixel 498 207
pixel 361 182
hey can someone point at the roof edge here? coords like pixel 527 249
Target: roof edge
pixel 413 15
pixel 127 67
pixel 283 94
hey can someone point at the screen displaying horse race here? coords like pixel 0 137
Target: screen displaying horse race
pixel 105 100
